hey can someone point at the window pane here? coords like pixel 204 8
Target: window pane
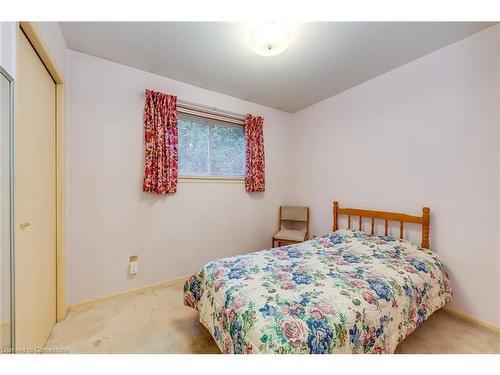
pixel 227 149
pixel 193 146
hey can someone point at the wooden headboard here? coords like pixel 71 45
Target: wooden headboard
pixel 424 220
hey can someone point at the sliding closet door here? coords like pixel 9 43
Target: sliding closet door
pixel 5 212
pixel 35 199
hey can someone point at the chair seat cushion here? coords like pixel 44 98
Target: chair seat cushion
pixel 290 235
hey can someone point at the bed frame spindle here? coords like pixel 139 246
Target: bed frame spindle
pixel 426 225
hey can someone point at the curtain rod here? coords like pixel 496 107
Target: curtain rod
pixel 212 110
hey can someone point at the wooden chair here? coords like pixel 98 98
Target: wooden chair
pixel 293 225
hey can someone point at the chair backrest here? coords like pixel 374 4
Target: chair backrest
pixel 294 213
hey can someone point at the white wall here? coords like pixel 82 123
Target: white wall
pixel 109 218
pixel 426 133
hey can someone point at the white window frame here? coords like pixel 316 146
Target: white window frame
pixel 217 178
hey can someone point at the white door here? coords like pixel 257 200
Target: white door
pixel 35 199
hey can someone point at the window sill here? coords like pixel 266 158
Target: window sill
pixel 213 180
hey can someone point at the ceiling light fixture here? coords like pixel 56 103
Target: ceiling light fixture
pixel 270 39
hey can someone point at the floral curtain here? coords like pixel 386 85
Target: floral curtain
pixel 161 139
pixel 254 136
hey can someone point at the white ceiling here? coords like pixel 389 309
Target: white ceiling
pixel 324 58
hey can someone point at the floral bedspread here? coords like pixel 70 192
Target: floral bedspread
pixel 347 292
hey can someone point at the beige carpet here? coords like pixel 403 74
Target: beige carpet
pixel 156 321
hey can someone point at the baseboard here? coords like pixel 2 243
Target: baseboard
pixel 127 293
pixel 471 319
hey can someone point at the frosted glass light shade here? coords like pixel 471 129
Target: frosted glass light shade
pixel 270 39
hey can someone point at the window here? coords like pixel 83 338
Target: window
pixel 210 148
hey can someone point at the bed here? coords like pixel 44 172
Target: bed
pixel 345 292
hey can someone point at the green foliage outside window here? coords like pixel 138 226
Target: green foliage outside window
pixel 210 148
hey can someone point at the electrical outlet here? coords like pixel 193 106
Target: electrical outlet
pixel 133 264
